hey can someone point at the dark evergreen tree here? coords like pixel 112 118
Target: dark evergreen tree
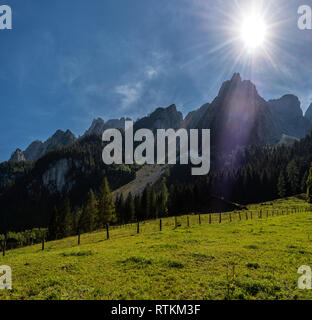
pixel 153 202
pixel 146 205
pixel 309 186
pixel 88 218
pixel 106 205
pixel 66 224
pixel 304 182
pixel 130 209
pixel 120 209
pixel 293 176
pixel 139 211
pixel 281 186
pixel 54 225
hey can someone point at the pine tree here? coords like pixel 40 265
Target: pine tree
pixel 293 176
pixel 139 212
pixel 106 205
pixel 66 224
pixel 309 186
pixel 153 202
pixel 87 222
pixel 54 227
pixel 130 209
pixel 146 205
pixel 281 185
pixel 120 209
pixel 303 186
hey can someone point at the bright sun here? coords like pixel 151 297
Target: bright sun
pixel 253 32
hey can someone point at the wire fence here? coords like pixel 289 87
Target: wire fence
pixel 169 223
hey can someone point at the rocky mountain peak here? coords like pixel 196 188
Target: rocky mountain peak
pixel 17 155
pixel 238 116
pixel 288 116
pixel 236 78
pixel 161 118
pixel 98 125
pixel 287 103
pixel 239 88
pixel 59 139
pixel 37 148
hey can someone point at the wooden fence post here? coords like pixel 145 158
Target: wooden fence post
pixel 246 215
pixel 160 225
pixel 3 247
pixel 209 218
pixel 78 237
pixel 199 219
pixel 175 222
pixel 107 231
pixel 188 221
pixel 138 227
pixel 251 215
pixel 240 217
pixel 42 247
pixel 220 217
pixel 230 217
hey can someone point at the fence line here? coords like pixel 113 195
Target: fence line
pixel 174 222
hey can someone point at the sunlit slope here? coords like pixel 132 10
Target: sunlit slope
pixel 148 174
pixel 193 262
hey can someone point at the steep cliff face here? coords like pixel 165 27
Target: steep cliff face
pixel 239 117
pixel 192 119
pixel 34 150
pixel 17 155
pixel 161 118
pixel 288 116
pixel 56 178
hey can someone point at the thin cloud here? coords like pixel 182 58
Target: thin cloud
pixel 130 94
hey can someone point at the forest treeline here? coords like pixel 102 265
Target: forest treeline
pixel 247 175
pixel 253 174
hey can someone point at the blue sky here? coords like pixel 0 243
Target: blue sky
pixel 67 62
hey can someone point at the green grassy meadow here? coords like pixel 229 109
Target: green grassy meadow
pixel 256 258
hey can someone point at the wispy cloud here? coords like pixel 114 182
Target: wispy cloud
pixel 151 72
pixel 133 90
pixel 129 93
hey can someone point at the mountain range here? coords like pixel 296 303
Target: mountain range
pixel 42 174
pixel 238 116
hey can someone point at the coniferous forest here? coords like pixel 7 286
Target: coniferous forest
pixel 252 174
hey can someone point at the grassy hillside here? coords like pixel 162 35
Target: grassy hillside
pixel 247 259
